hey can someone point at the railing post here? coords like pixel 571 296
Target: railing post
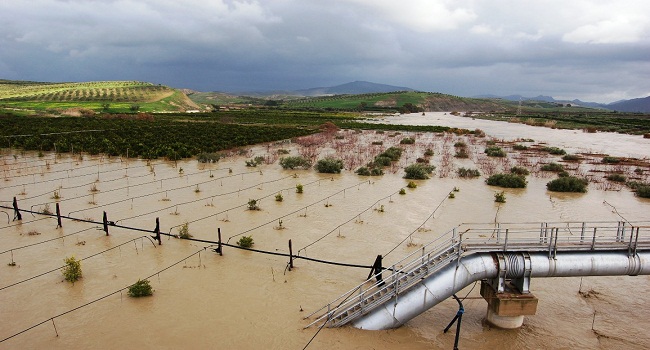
pixel 550 244
pixel 593 240
pixel 582 232
pixel 505 246
pixel 499 232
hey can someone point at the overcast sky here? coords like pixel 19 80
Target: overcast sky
pixel 588 49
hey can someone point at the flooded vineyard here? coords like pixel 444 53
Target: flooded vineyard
pixel 250 300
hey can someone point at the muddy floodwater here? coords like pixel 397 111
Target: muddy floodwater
pixel 249 300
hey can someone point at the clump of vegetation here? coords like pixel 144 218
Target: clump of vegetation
pixel 402 191
pixel 392 153
pixel 141 288
pixel 567 184
pixel 184 231
pixel 407 141
pixel 428 152
pixel 283 151
pixel 611 160
pixel 643 191
pixel 46 209
pixel 329 165
pixel 495 151
pixel 460 144
pixel 412 184
pixel 56 195
pixel 616 177
pixel 255 161
pixel 554 167
pixel 278 197
pixel 554 150
pixel 295 162
pixel 72 269
pixel 206 157
pixel 518 170
pixel 377 143
pixel 507 180
pixel 571 157
pixel 461 153
pixel 464 172
pixel 252 204
pixel 299 188
pixel 500 197
pixel 418 171
pixel 519 147
pixel 365 171
pixel 245 242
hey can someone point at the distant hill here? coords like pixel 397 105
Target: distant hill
pixel 353 88
pixel 641 105
pixel 427 101
pixel 112 96
pixel 636 105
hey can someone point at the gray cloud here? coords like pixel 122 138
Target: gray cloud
pixel 587 49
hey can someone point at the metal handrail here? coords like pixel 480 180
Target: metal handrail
pixel 452 246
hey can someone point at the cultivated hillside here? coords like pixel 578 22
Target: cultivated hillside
pixel 113 96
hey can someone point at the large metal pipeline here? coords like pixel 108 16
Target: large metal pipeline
pixel 475 267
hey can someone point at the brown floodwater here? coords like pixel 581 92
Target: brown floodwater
pixel 246 300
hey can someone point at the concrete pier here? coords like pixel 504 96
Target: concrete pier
pixel 507 310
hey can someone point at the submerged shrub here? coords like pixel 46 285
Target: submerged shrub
pixel 329 165
pixel 141 288
pixel 555 167
pixel 567 184
pixel 554 150
pixel 381 161
pixel 643 191
pixel 245 242
pixel 184 231
pixel 616 177
pixel 418 171
pixel 500 197
pixel 407 141
pixel 208 157
pixel 611 160
pixel 412 184
pixel 507 180
pixel 365 171
pixel 571 157
pixel 394 153
pixel 252 204
pixel 519 170
pixel 72 269
pixel 295 162
pixel 495 151
pixel 463 172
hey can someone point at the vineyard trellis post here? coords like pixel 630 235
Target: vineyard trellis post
pixel 17 215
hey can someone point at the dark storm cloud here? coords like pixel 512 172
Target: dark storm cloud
pixel 588 49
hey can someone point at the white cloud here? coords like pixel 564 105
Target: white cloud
pixel 419 15
pixel 611 31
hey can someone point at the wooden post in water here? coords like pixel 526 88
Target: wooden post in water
pixel 290 256
pixel 58 216
pixel 17 215
pixel 157 232
pixel 105 221
pixel 377 269
pixel 219 248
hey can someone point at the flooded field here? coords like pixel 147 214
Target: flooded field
pixel 248 300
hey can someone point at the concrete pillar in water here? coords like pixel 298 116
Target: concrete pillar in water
pixel 507 310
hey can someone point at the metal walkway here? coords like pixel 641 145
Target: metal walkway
pixel 494 252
